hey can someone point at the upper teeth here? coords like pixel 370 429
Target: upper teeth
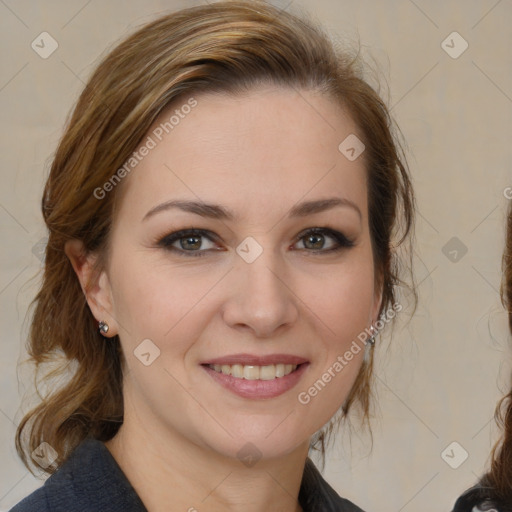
pixel 251 372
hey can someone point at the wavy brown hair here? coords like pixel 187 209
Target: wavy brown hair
pixel 499 478
pixel 227 47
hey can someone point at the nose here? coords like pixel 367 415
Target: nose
pixel 262 301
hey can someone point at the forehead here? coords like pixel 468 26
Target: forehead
pixel 258 153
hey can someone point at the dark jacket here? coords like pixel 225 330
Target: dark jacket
pixel 91 481
pixel 480 498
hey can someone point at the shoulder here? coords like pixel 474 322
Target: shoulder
pixel 316 495
pixel 35 501
pixel 90 480
pixel 480 499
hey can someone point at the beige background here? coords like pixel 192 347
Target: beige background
pixel 443 374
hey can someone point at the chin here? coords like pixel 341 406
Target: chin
pixel 263 438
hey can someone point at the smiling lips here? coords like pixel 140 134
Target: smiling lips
pixel 257 377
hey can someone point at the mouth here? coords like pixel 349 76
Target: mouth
pixel 257 377
pixel 252 372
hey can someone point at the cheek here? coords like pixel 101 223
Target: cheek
pixel 160 301
pixel 348 306
pixel 342 306
pixel 343 299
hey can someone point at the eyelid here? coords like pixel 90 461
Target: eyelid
pixel 167 241
pixel 342 240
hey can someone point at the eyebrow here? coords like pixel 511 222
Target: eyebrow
pixel 215 211
pixel 212 211
pixel 311 207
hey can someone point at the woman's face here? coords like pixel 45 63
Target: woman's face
pixel 240 251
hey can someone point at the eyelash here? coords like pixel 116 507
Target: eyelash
pixel 341 240
pixel 166 242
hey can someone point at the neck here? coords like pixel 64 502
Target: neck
pixel 166 468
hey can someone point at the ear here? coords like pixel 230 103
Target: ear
pixel 95 284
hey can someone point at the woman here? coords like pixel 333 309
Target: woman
pixel 494 491
pixel 224 211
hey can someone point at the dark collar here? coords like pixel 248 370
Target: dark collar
pixel 316 495
pixel 92 480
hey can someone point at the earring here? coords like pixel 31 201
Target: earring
pixel 371 339
pixel 103 327
pixel 370 342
